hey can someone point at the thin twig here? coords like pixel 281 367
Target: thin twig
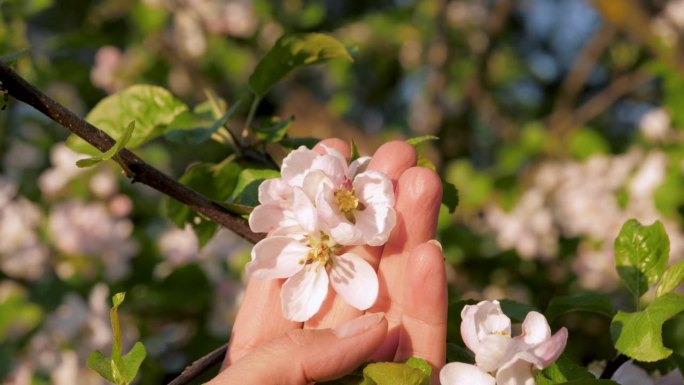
pixel 613 366
pixel 135 168
pixel 200 366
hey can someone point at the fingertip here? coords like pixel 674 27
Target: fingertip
pixel 393 158
pixel 336 144
pixel 421 184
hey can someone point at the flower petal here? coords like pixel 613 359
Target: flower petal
pixel 304 211
pixel 481 320
pixel 354 280
pixel 458 373
pixel 548 351
pixel 374 188
pixel 518 372
pixel 266 217
pixel 274 190
pixel 375 224
pixel 630 374
pixel 358 166
pixel 276 257
pixel 296 165
pixel 535 329
pixel 494 352
pixel 302 294
pixel 334 166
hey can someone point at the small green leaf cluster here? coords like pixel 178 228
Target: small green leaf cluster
pixel 118 369
pixel 414 371
pixel 641 256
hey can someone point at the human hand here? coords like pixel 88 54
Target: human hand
pixel 412 291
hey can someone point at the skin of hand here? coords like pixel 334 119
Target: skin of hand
pixel 266 348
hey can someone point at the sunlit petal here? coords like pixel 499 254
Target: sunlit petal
pixel 375 223
pixel 494 351
pixel 354 280
pixel 296 165
pixel 518 372
pixel 276 257
pixel 458 373
pixel 302 294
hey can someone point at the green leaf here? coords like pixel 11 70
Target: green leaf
pixel 354 151
pixel 420 139
pixel 18 316
pixel 516 311
pixel 457 353
pixel 449 196
pixel 192 128
pixel 132 361
pixel 117 300
pixel 587 302
pixel 293 51
pixel 275 131
pixel 151 107
pixel 14 56
pixel 102 365
pixel 639 335
pixel 421 364
pixel 641 254
pixel 393 373
pixel 247 189
pixel 214 181
pixel 585 142
pixel 560 372
pixel 88 162
pixel 672 278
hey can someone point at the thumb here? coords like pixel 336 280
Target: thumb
pixel 302 356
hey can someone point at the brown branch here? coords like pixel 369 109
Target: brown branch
pixel 135 168
pixel 200 366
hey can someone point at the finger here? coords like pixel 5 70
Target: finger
pixel 258 320
pixel 418 194
pixel 304 356
pixel 424 318
pixel 336 144
pixel 392 158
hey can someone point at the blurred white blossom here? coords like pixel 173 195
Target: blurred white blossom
pixel 88 229
pixel 22 254
pixel 589 200
pixel 54 179
pixel 655 124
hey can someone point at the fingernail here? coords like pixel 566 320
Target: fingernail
pixel 436 243
pixel 358 325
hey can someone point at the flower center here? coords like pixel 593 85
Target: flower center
pixel 346 200
pixel 321 252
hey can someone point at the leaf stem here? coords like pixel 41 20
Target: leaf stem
pixel 613 366
pixel 250 117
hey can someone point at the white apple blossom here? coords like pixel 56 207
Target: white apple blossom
pixel 486 331
pixel 357 206
pixel 306 255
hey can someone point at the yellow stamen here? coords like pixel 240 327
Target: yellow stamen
pixel 347 203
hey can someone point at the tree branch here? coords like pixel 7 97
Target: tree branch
pixel 200 366
pixel 135 168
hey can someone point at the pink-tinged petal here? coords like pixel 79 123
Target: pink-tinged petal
pixel 334 167
pixel 374 188
pixel 375 223
pixel 296 165
pixel 481 320
pixel 354 280
pixel 518 372
pixel 535 329
pixel 458 373
pixel 347 234
pixel 274 190
pixel 494 352
pixel 304 211
pixel 266 217
pixel 548 351
pixel 314 184
pixel 276 257
pixel 302 294
pixel 358 166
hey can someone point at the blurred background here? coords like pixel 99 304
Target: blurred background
pixel 558 120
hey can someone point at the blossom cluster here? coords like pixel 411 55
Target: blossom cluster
pixel 318 206
pixel 486 331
